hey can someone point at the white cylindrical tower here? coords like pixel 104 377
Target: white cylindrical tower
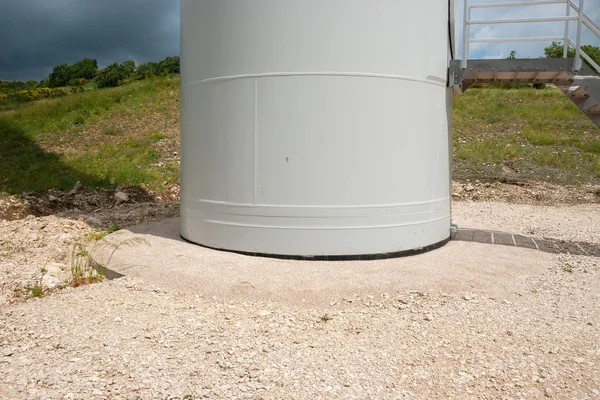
pixel 315 128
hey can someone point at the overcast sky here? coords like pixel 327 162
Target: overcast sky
pixel 36 35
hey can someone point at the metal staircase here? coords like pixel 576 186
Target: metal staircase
pixel 576 79
pixel 584 91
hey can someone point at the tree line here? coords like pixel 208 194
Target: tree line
pixel 77 74
pixel 113 75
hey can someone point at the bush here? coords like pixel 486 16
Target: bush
pixel 168 66
pixel 128 68
pixel 79 119
pixel 12 86
pixel 111 76
pixel 63 74
pixel 86 69
pixel 23 96
pixel 146 70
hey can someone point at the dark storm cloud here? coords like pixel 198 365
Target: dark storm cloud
pixel 36 35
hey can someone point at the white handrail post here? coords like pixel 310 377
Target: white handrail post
pixel 566 50
pixel 466 15
pixel 578 62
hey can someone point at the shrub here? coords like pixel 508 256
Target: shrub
pixel 146 70
pixel 168 66
pixel 110 76
pixel 79 119
pixel 23 96
pixel 63 74
pixel 128 68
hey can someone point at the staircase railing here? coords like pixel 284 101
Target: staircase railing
pixel 581 18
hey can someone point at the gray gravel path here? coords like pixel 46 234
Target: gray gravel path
pixel 128 339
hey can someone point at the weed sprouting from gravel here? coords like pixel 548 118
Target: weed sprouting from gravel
pixel 82 267
pixel 96 235
pixel 568 268
pixel 36 289
pixel 113 227
pixel 85 269
pixel 325 318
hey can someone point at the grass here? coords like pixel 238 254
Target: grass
pixel 524 134
pixel 156 136
pixel 325 318
pixel 54 143
pixel 87 269
pixel 568 268
pixel 37 289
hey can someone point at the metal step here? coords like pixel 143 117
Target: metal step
pixel 577 92
pixel 536 70
pixel 585 93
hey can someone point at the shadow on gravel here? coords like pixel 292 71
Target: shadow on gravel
pixel 166 228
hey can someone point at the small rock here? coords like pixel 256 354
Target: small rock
pixel 52 198
pixel 121 197
pixel 76 188
pixel 51 282
pixel 467 296
pixel 548 392
pixel 56 269
pixel 264 313
pixel 92 220
pixel 24 361
pixel 117 319
pixel 428 317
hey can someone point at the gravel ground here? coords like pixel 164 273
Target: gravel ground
pixel 126 339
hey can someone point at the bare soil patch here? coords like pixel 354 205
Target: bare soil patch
pixel 525 192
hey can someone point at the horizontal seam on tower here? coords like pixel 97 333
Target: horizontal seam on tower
pixel 312 207
pixel 320 228
pixel 322 73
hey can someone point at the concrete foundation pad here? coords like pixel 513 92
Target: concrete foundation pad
pixel 174 265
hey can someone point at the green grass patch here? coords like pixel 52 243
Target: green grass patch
pixel 157 136
pixel 24 166
pixel 26 131
pixel 488 150
pixel 527 133
pixel 111 131
pixel 538 138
